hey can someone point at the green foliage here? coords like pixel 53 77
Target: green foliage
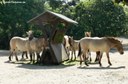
pixel 101 17
pixel 14 17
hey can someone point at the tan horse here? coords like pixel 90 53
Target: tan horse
pixel 99 44
pixel 18 44
pixel 66 44
pixel 37 45
pixel 24 44
pixel 88 34
pixel 73 47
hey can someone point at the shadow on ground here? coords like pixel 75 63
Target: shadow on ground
pixel 103 68
pixel 28 65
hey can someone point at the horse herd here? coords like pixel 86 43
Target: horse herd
pixel 84 47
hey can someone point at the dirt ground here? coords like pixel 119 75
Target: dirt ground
pixel 18 73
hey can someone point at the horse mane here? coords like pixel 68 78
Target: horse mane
pixel 113 40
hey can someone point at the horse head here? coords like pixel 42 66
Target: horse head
pixel 117 44
pixel 30 34
pixel 120 48
pixel 71 40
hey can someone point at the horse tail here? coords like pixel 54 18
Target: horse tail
pixel 79 51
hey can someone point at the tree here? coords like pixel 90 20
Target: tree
pixel 14 17
pixel 101 17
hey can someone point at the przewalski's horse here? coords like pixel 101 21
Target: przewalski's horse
pixel 20 44
pixel 24 44
pixel 37 45
pixel 74 44
pixel 73 47
pixel 99 44
pixel 88 34
pixel 66 44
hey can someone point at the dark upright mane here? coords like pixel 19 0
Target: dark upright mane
pixel 113 40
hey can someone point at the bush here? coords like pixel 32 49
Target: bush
pixel 101 17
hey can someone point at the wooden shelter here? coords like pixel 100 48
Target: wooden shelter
pixel 59 23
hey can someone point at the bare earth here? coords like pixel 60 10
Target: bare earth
pixel 17 73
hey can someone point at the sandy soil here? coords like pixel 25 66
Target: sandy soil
pixel 18 73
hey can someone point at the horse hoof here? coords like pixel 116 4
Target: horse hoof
pixel 110 64
pixel 100 65
pixel 86 64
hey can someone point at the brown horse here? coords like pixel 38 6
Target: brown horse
pixel 73 47
pixel 99 44
pixel 67 44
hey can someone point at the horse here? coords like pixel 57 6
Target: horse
pixel 18 44
pixel 14 41
pixel 24 44
pixel 73 47
pixel 37 45
pixel 88 34
pixel 66 44
pixel 103 44
pixel 27 45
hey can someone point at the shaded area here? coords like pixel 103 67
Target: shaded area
pixel 29 65
pixel 103 68
pixel 4 53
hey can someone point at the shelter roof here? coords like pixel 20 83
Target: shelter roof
pixel 50 17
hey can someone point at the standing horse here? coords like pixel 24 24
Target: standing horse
pixel 99 44
pixel 24 44
pixel 73 47
pixel 66 44
pixel 18 44
pixel 88 34
pixel 37 45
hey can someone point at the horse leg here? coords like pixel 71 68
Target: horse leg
pixel 81 59
pixel 97 55
pixel 99 58
pixel 38 57
pixel 89 53
pixel 74 55
pixel 30 57
pixel 16 56
pixel 23 55
pixel 85 60
pixel 10 56
pixel 26 54
pixel 33 57
pixel 108 59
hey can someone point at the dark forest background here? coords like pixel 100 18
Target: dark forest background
pixel 101 17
